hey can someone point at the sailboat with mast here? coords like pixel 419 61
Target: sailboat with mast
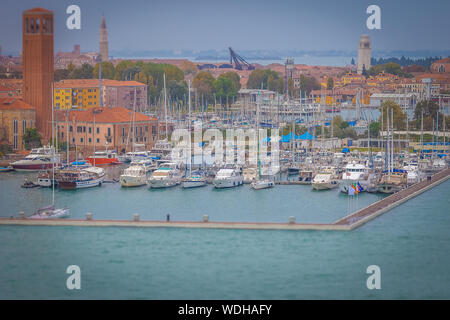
pixel 197 178
pixel 393 179
pixel 260 183
pixel 50 212
pixel 136 174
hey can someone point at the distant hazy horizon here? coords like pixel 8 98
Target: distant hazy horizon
pixel 139 26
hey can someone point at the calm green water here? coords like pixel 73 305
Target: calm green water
pixel 410 244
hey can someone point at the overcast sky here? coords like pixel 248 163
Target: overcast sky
pixel 242 24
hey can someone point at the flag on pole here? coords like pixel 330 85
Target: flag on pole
pixel 360 188
pixel 351 190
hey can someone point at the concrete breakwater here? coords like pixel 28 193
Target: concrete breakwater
pixel 346 223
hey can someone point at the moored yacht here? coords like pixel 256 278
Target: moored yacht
pixel 134 176
pixel 356 173
pixel 393 181
pixel 196 179
pixel 325 180
pixel 76 178
pixel 227 178
pixel 167 175
pixel 38 159
pixel 103 157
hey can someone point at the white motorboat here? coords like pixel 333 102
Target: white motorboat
pixel 356 173
pixel 167 175
pixel 227 178
pixel 134 176
pixel 325 180
pixel 38 159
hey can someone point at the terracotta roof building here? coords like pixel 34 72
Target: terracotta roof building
pixel 103 127
pixel 15 117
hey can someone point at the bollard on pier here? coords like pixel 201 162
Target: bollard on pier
pixel 88 216
pixel 205 218
pixel 22 215
pixel 291 220
pixel 136 217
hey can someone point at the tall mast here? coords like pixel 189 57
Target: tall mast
pixel 189 126
pixel 421 135
pixel 134 124
pixel 53 160
pixel 165 106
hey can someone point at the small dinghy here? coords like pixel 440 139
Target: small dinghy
pixel 29 184
pixel 6 169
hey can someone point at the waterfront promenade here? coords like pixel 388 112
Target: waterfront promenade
pixel 346 223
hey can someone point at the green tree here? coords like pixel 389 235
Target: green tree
pixel 177 90
pixel 307 84
pixel 204 84
pixel 374 128
pixel 399 116
pixel 330 83
pixel 86 71
pixel 429 108
pixel 235 79
pixel 61 74
pixel 108 70
pixel 31 138
pixel 264 79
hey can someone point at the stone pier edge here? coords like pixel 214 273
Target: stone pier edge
pixel 225 225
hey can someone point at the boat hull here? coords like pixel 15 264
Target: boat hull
pixel 222 183
pixel 72 185
pixel 258 185
pixel 102 161
pixel 193 183
pixel 32 167
pixel 130 181
pixel 324 186
pixel 158 184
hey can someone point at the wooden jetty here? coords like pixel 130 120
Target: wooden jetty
pixel 346 223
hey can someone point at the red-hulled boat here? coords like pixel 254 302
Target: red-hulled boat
pixel 104 157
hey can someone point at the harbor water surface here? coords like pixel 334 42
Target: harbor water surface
pixel 410 244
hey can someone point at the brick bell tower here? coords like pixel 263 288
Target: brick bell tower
pixel 37 55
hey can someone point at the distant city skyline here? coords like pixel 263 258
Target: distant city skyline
pixel 199 25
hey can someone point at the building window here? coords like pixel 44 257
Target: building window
pixel 153 129
pixel 90 130
pixel 16 133
pixel 24 126
pixel 98 130
pixel 70 129
pixel 37 25
pixel 109 132
pixel 81 140
pixel 73 140
pixel 90 140
pixel 98 140
pixel 123 131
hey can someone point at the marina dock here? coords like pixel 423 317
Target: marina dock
pixel 346 223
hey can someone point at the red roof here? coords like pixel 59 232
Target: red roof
pixel 38 10
pixel 14 103
pixel 104 115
